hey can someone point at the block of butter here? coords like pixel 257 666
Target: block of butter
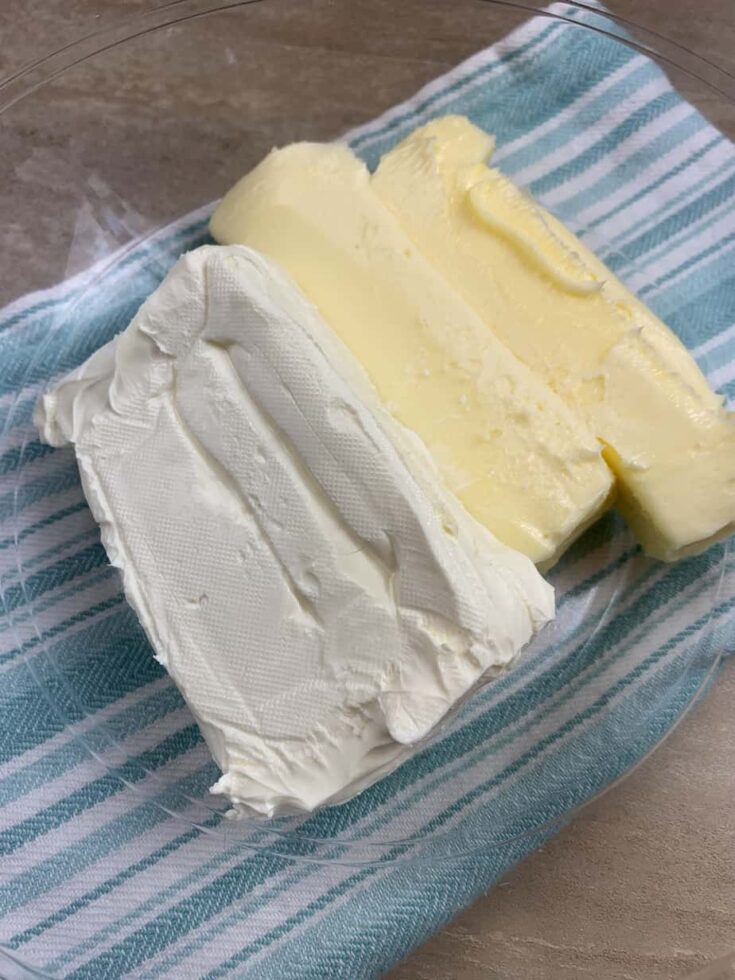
pixel 521 462
pixel 303 574
pixel 537 288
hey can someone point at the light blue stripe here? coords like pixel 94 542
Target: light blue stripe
pixel 24 341
pixel 418 900
pixel 72 860
pixel 630 169
pixel 84 671
pixel 205 870
pixel 516 674
pixel 100 891
pixel 70 568
pixel 698 185
pixel 22 456
pixel 718 357
pixel 127 722
pixel 66 477
pixel 659 182
pixel 689 285
pixel 56 549
pixel 37 583
pixel 676 223
pixel 39 639
pixel 594 539
pixel 466 761
pixel 146 907
pixel 492 745
pixel 688 237
pixel 399 123
pixel 698 231
pixel 44 523
pixel 106 312
pixel 697 315
pixel 50 303
pixel 523 100
pixel 231 887
pixel 136 768
pixel 32 370
pixel 519 78
pixel 585 117
pixel 607 143
pixel 298 873
pixel 719 304
pixel 468 799
pixel 50 814
pixel 19 411
pixel 30 615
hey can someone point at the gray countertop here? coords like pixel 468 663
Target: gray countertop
pixel 642 883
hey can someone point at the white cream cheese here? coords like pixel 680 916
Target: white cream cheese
pixel 316 593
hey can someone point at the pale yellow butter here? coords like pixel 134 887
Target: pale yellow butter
pixel 667 436
pixel 519 460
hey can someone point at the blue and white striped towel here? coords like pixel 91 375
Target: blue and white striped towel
pixel 99 878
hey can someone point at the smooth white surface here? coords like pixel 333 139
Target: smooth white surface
pixel 317 594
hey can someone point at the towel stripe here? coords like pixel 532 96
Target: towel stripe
pixel 234 885
pixel 635 617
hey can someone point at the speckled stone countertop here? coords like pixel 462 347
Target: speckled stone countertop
pixel 641 886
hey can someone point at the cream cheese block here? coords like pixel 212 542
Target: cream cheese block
pixel 302 572
pixel 539 290
pixel 511 450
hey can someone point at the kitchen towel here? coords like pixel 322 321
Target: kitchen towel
pixel 112 863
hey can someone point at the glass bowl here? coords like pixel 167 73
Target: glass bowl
pixel 107 143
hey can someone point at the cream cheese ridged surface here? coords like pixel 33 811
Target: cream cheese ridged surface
pixel 302 572
pixel 518 458
pixel 541 292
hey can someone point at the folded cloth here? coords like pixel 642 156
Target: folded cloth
pixel 112 863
